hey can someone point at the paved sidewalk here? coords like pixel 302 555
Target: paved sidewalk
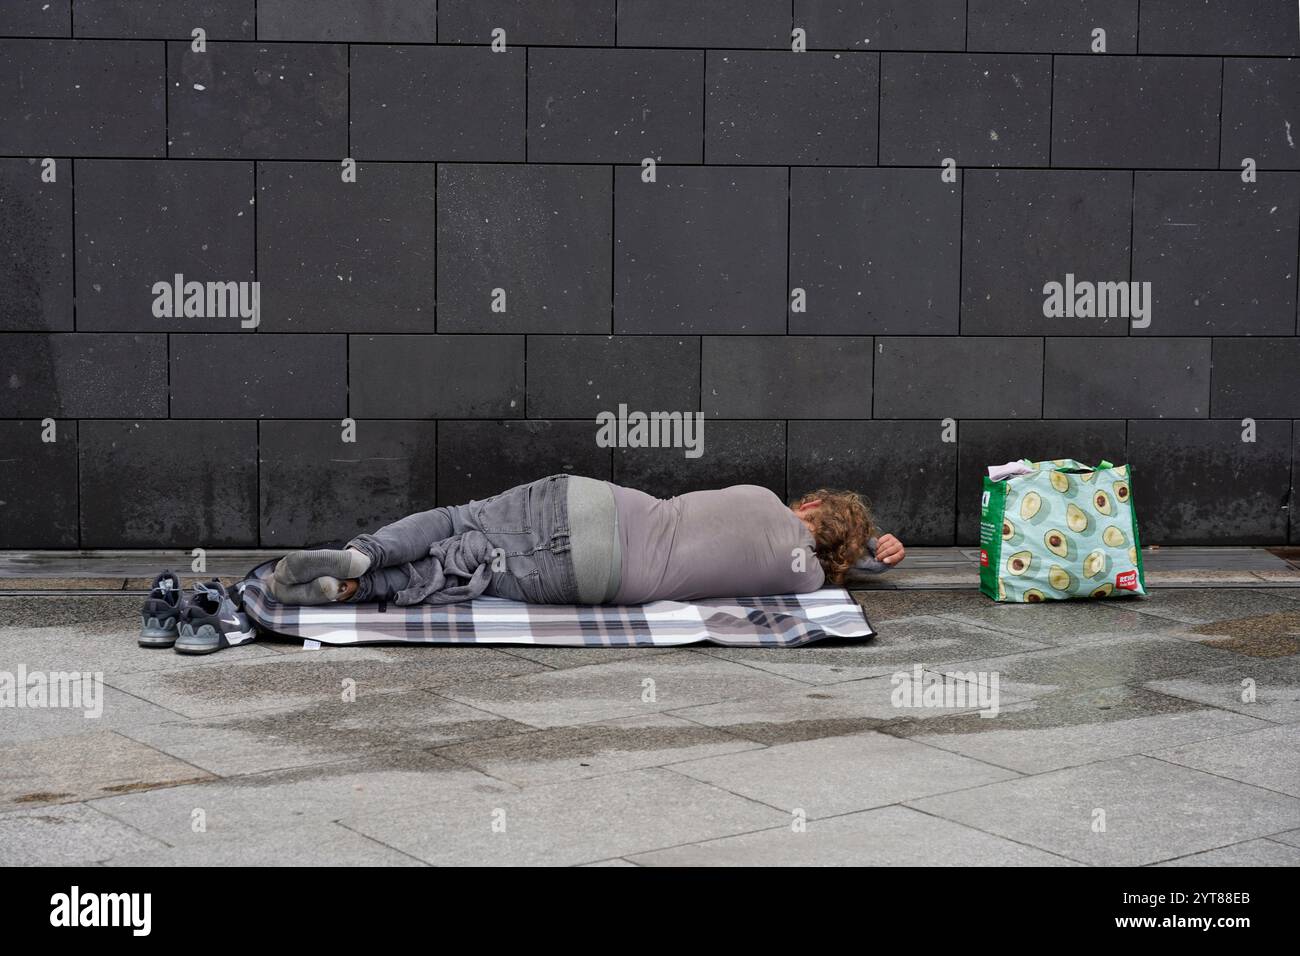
pixel 1161 731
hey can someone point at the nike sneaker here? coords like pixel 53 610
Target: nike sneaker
pixel 213 619
pixel 161 614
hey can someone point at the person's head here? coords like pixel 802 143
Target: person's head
pixel 841 525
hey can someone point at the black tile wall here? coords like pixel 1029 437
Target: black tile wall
pixel 1025 228
pixel 1007 26
pixel 335 256
pixel 1208 27
pixel 875 251
pixel 38 484
pixel 36 18
pixel 173 19
pixel 547 22
pixel 140 222
pixel 82 98
pixel 980 109
pixel 316 487
pixel 905 468
pixel 719 23
pixel 580 376
pixel 463 255
pixel 437 103
pixel 478 459
pixel 614 106
pixel 1261 113
pixel 375 21
pixel 1137 111
pixel 259 376
pixel 540 234
pixel 1200 482
pixel 1220 254
pixel 732 453
pixel 818 110
pixel 35 261
pixel 883 24
pixel 258 101
pixel 169 484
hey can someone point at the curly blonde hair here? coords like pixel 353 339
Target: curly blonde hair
pixel 842 525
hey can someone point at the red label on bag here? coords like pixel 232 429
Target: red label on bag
pixel 984 558
pixel 1128 581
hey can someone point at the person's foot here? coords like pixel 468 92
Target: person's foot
pixel 303 567
pixel 322 590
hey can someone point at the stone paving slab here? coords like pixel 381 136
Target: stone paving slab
pixel 888 836
pixel 588 750
pixel 1066 730
pixel 896 648
pixel 323 732
pixel 714 760
pixel 119 711
pixel 1290 837
pixel 581 695
pixel 1153 811
pixel 250 806
pixel 842 774
pixel 1268 758
pixel 1063 622
pixel 69 835
pixel 106 644
pixel 579 821
pixel 1094 664
pixel 1250 853
pixel 810 713
pixel 1274 684
pixel 327 844
pixel 1202 606
pixel 84 766
pixel 277 681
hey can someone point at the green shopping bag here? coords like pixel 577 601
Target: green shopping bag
pixel 1065 530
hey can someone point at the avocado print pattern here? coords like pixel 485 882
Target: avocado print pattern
pixel 1064 530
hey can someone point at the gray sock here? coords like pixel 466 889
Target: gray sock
pixel 302 567
pixel 322 590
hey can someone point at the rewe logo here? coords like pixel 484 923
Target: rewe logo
pixel 1127 580
pixel 103 909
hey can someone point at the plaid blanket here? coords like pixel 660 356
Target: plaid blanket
pixel 782 621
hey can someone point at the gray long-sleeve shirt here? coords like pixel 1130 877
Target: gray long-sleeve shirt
pixel 733 542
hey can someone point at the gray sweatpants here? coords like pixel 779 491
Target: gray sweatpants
pixel 551 541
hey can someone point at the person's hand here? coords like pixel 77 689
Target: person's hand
pixel 889 549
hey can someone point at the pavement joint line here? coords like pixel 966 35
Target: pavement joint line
pixel 378 842
pixel 907 805
pixel 1211 773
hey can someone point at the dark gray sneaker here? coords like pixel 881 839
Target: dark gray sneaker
pixel 161 614
pixel 213 620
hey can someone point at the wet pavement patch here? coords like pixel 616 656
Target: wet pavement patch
pixel 1105 705
pixel 1262 635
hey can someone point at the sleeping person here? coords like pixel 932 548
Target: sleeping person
pixel 566 539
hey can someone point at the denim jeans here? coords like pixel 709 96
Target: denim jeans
pixel 526 527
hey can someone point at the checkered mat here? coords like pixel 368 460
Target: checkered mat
pixel 788 620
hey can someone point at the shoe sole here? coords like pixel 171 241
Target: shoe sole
pixel 157 636
pixel 224 641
